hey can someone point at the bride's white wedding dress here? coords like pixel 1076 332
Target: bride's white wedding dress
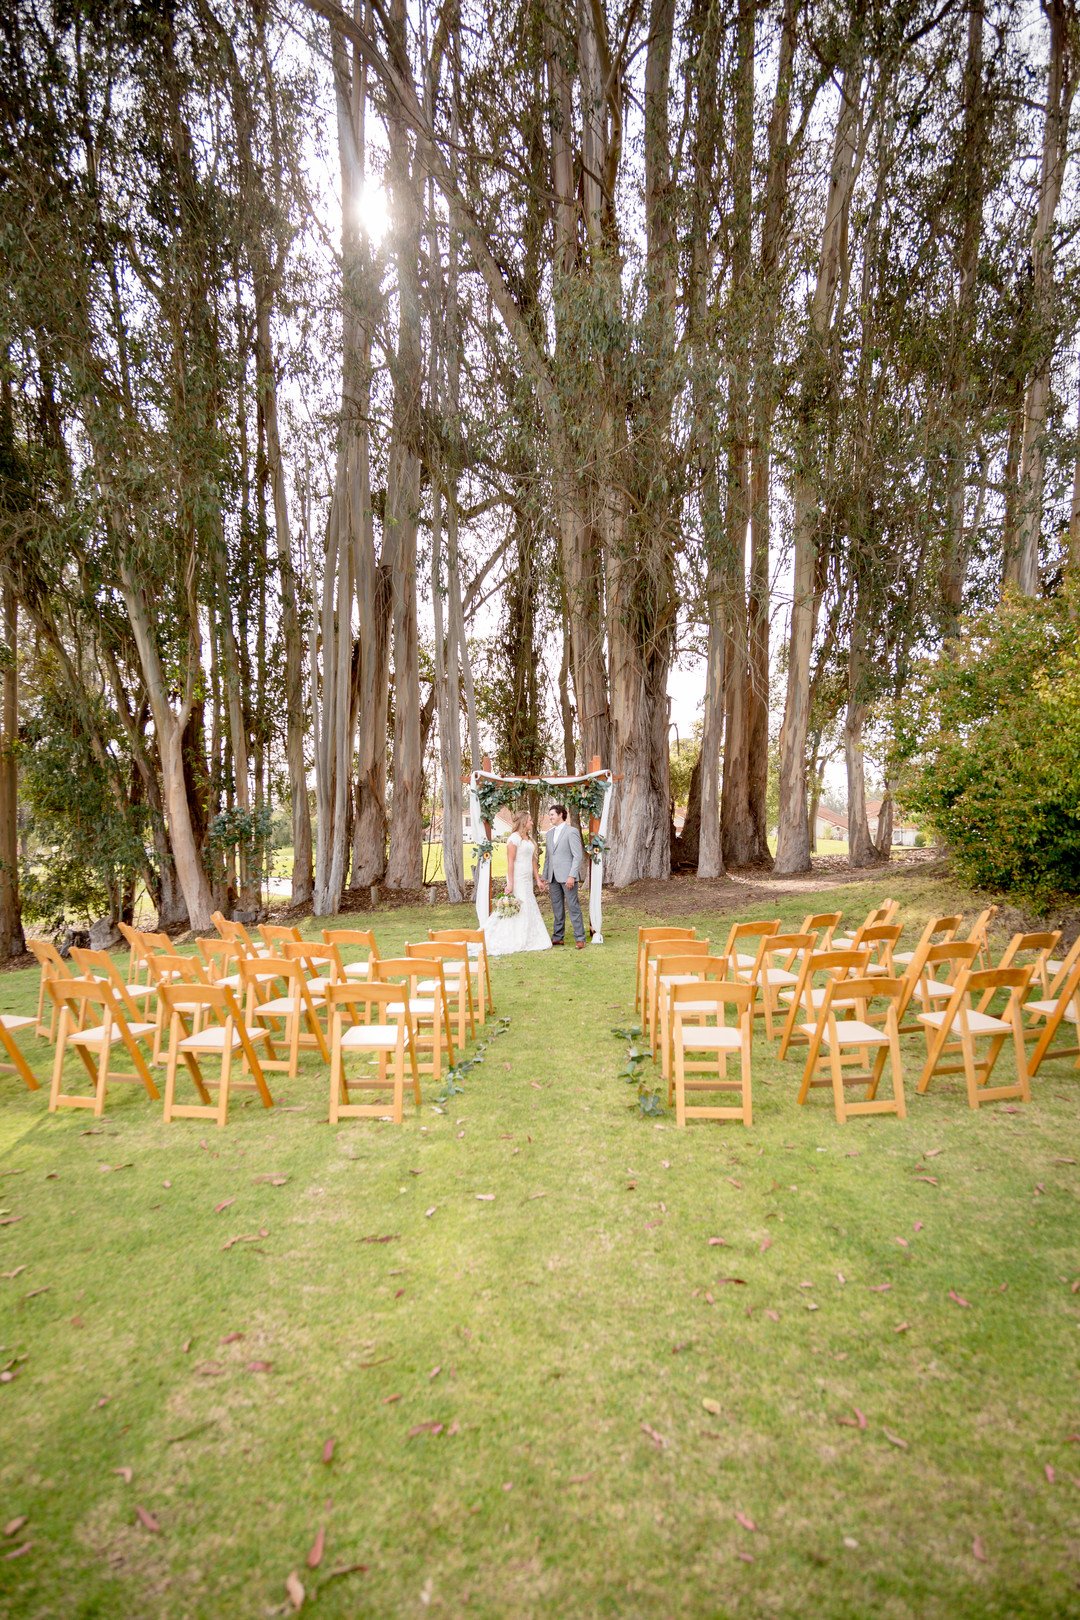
pixel 527 931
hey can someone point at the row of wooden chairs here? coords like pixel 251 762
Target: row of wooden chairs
pixel 236 1001
pixel 846 998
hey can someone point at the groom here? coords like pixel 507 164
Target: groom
pixel 563 860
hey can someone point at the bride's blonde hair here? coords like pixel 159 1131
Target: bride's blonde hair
pixel 518 818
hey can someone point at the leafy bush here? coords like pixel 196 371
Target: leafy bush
pixel 987 740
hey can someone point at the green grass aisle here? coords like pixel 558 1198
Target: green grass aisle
pixel 550 1391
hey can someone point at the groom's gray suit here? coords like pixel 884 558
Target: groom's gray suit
pixel 564 858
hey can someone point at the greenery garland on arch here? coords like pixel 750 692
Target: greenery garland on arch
pixel 586 797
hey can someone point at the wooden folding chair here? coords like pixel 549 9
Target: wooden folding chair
pixel 52 966
pixel 219 1030
pixel 776 969
pixel 78 1000
pixel 644 937
pixel 744 961
pixel 321 963
pixel 457 978
pixel 676 972
pixel 354 938
pixel 1047 1015
pixel 238 934
pixel 807 997
pixel 296 1010
pixel 11 1024
pixel 476 941
pixel 275 936
pixel 961 1024
pixel 823 925
pixel 182 972
pixel 885 913
pixel 221 959
pixel 1038 948
pixel 879 939
pixel 848 1041
pixel 1057 967
pixel 135 998
pixel 380 1024
pixel 432 1029
pixel 938 931
pixel 693 1005
pixel 655 954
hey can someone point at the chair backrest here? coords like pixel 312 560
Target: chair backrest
pixel 471 936
pixel 410 969
pixel 319 961
pixel 985 983
pixel 100 965
pixel 715 994
pixel 219 956
pixel 749 930
pixel 276 934
pixel 1039 947
pixel 785 946
pixel 373 999
pixel 657 951
pixel 52 964
pixel 880 939
pixel 360 936
pixel 979 932
pixel 167 967
pixel 822 925
pixel 85 993
pixel 441 950
pixel 862 990
pixel 702 967
pixel 939 930
pixel 828 965
pixel 955 955
pixel 217 999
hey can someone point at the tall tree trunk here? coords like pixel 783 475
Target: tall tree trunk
pixel 405 866
pixel 1061 86
pixel 973 170
pixel 12 942
pixel 793 838
pixel 861 848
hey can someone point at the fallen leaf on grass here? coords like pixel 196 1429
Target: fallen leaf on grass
pixel 856 1422
pixel 932 1153
pixel 258 1366
pixel 718 1243
pixel 434 1373
pixel 315 1556
pixel 34 1292
pixel 931 1179
pixel 428 1213
pixel 841 1279
pixel 747 1558
pixel 657 1439
pixel 1049 1472
pixel 8 1275
pixel 978 1550
pixel 388 1400
pixel 535 1195
pixel 895 1440
pixel 209 1369
pixel 766 1243
pixel 902 1327
pixel 294 1586
pixel 774 1316
pixel 17 1552
pixel 385 1237
pixel 147 1520
pixel 958 1299
pixel 232 1338
pixel 105 1168
pixel 485 1198
pixel 344 1569
pixel 746 1522
pixel 185 1347
pixel 253 1237
pixel 579 1479
pixel 226 1203
pixel 903 1242
pixel 712 1406
pixel 424 1428
pixel 733 1183
pixel 328 1452
pixel 880 1288
pixel 126 1474
pixel 271 1181
pixel 13 1526
pixel 740 1282
pixel 917 1226
pixel 10 1220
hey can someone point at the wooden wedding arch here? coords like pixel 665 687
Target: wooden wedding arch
pixel 591 793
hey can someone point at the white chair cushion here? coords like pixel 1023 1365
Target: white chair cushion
pixel 711 1038
pixel 419 1006
pixel 282 1006
pixel 92 1038
pixel 357 970
pixel 213 1039
pixel 778 975
pixel 15 1021
pixel 978 1023
pixel 1048 1007
pixel 853 1032
pixel 372 1037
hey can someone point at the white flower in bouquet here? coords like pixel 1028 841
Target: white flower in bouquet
pixel 507 906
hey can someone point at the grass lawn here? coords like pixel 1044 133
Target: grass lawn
pixel 548 1392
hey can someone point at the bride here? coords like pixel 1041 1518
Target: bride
pixel 526 931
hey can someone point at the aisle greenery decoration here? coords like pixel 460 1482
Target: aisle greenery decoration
pixel 586 797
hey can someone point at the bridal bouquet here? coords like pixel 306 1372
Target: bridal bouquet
pixel 507 906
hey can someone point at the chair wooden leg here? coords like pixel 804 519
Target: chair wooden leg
pixel 680 1086
pixel 338 1093
pixel 399 1084
pixel 226 1076
pixel 747 1100
pixel 102 1073
pixel 18 1062
pixel 170 1070
pixel 837 1073
pixel 58 1063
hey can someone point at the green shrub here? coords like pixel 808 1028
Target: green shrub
pixel 988 749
